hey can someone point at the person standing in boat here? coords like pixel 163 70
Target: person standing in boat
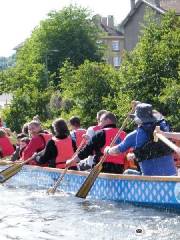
pixel 101 139
pixel 154 158
pixel 39 139
pixel 77 132
pixel 59 149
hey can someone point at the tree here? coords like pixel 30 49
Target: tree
pixel 152 67
pixel 87 87
pixel 66 34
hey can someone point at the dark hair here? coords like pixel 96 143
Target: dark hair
pixel 21 135
pixel 100 113
pixel 75 121
pixel 111 117
pixel 25 128
pixel 25 139
pixel 60 128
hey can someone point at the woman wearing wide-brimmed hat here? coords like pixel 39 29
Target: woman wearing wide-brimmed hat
pixel 154 158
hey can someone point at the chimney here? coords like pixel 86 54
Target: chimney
pixel 132 4
pixel 104 21
pixel 157 3
pixel 110 21
pixel 97 20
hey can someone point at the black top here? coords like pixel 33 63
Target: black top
pixel 50 153
pixel 95 144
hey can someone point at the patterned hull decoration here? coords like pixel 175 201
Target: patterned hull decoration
pixel 161 192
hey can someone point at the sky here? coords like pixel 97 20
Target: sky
pixel 19 17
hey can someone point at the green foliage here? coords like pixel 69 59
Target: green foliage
pixel 66 34
pixel 87 87
pixel 151 68
pixel 27 102
pixel 170 97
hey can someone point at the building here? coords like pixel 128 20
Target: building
pixel 5 99
pixel 112 39
pixel 132 24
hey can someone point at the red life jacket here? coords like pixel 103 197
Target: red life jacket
pixel 65 151
pixel 79 133
pixel 46 137
pixel 6 147
pixel 110 133
pixel 97 128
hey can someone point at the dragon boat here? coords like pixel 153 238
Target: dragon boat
pixel 155 191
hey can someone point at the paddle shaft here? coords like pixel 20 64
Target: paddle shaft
pixel 88 183
pixel 53 189
pixel 167 141
pixel 120 130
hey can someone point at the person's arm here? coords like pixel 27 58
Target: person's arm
pixel 35 144
pixel 96 143
pixel 128 142
pixel 48 155
pixel 93 146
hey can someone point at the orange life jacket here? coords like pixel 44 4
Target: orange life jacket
pixel 79 133
pixel 130 164
pixel 64 151
pixel 6 147
pixel 110 133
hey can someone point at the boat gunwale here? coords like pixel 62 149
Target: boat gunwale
pixel 112 176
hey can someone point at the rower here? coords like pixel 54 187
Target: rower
pixel 6 147
pixel 154 158
pixel 59 149
pixel 101 139
pixel 39 139
pixel 77 132
pixel 87 163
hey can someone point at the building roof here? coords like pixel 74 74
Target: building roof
pixel 165 5
pixel 111 31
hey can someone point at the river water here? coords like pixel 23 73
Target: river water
pixel 31 214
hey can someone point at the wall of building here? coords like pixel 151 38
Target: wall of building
pixel 132 28
pixel 111 54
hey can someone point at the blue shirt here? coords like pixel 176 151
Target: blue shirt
pixel 162 166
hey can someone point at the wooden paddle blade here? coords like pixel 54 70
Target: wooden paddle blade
pixel 9 172
pixel 88 183
pixel 5 162
pixel 51 191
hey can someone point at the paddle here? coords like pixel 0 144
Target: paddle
pixel 170 144
pixel 88 183
pixel 52 190
pixel 12 170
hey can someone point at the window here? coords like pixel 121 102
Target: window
pixel 116 61
pixel 115 45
